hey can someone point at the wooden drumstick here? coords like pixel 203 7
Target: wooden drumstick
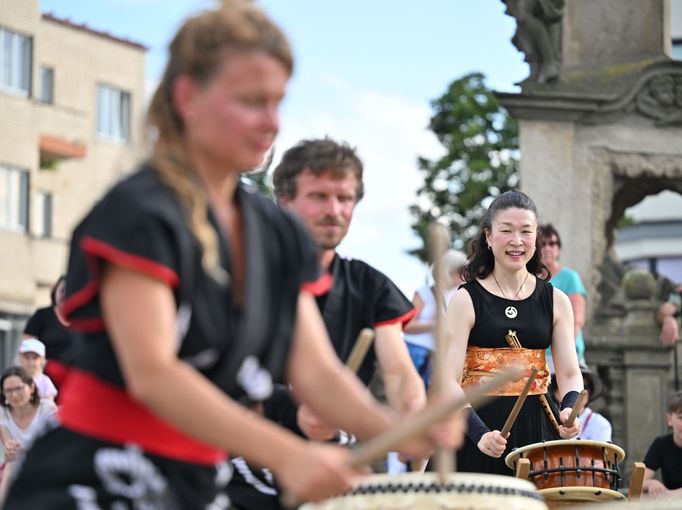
pixel 418 423
pixel 437 244
pixel 576 408
pixel 517 405
pixel 548 411
pixel 362 345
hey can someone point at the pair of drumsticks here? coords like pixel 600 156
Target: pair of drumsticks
pixel 515 343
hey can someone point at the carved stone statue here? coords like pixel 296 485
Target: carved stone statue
pixel 538 35
pixel 661 99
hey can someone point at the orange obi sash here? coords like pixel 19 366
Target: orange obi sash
pixel 481 362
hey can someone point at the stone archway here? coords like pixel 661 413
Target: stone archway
pixel 621 180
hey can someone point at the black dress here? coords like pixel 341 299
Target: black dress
pixel 107 450
pixel 533 325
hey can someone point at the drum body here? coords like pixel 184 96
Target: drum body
pixel 424 491
pixel 570 471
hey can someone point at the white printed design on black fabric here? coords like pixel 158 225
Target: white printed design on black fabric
pixel 255 380
pixel 265 486
pixel 126 473
pixel 182 320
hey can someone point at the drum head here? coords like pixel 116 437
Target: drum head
pixel 424 491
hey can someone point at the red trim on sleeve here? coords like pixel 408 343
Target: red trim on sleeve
pixel 78 299
pixel 99 409
pixel 320 286
pixel 100 249
pixel 403 319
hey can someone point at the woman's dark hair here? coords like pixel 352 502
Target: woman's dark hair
pixel 547 230
pixel 53 291
pixel 25 378
pixel 481 259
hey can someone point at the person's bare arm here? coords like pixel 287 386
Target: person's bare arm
pixel 139 313
pixel 652 486
pixel 568 374
pixel 416 325
pixel 665 316
pixel 404 388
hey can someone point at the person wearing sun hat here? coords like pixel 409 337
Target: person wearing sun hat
pixel 32 359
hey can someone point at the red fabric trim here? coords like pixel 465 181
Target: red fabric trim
pixel 56 371
pixel 87 325
pixel 98 409
pixel 320 286
pixel 100 249
pixel 403 319
pixel 78 299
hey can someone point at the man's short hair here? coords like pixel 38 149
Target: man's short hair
pixel 675 402
pixel 317 157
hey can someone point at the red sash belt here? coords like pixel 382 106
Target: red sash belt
pixel 483 362
pixel 102 410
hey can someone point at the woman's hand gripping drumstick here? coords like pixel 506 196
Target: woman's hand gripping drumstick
pixel 517 406
pixel 416 425
pixel 312 426
pixel 570 427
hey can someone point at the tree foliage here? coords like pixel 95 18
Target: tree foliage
pixel 480 161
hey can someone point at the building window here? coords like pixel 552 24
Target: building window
pixel 15 62
pixel 41 214
pixel 13 198
pixel 46 85
pixel 113 113
pixel 677 49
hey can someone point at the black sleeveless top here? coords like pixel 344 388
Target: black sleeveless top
pixel 531 318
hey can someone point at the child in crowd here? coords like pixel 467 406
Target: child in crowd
pixel 32 359
pixel 665 453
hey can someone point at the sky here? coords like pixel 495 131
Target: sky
pixel 365 73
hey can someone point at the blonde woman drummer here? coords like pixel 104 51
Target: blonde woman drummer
pixel 505 301
pixel 193 294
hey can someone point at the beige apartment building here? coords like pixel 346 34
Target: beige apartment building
pixel 71 106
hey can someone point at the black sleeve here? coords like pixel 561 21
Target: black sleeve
pixel 35 326
pixel 127 229
pixel 654 456
pixel 390 304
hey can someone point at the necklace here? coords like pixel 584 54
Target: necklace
pixel 511 311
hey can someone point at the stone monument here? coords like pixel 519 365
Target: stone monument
pixel 600 128
pixel 606 130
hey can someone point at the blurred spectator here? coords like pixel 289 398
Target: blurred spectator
pixel 21 415
pixel 669 311
pixel 50 327
pixel 665 453
pixel 32 359
pixel 419 332
pixel 567 280
pixel 594 426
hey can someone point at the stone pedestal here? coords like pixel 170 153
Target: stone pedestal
pixel 636 369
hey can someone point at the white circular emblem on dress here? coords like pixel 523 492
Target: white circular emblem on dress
pixel 511 312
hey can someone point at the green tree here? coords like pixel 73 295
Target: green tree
pixel 480 161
